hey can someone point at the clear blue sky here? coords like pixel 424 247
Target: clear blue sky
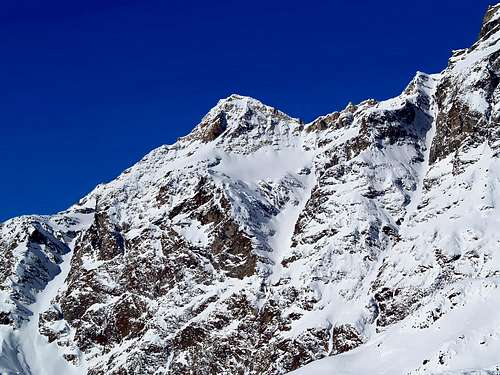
pixel 89 87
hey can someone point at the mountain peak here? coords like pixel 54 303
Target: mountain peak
pixel 240 103
pixel 235 97
pixel 236 115
pixel 236 100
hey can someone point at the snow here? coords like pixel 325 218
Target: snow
pixel 264 164
pixel 416 196
pixel 470 334
pixel 26 349
pixel 283 226
pixel 477 102
pixel 192 231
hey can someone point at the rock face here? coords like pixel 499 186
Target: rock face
pixel 258 244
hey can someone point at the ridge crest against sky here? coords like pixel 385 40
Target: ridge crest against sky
pixel 89 88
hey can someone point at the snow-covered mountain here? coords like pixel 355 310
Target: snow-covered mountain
pixel 365 242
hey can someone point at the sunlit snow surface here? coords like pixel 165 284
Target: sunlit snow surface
pixel 468 338
pixel 25 351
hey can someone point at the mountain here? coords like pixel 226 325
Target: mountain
pixel 364 242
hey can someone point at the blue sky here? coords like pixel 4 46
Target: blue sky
pixel 87 88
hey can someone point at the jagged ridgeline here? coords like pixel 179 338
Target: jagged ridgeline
pixel 365 242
